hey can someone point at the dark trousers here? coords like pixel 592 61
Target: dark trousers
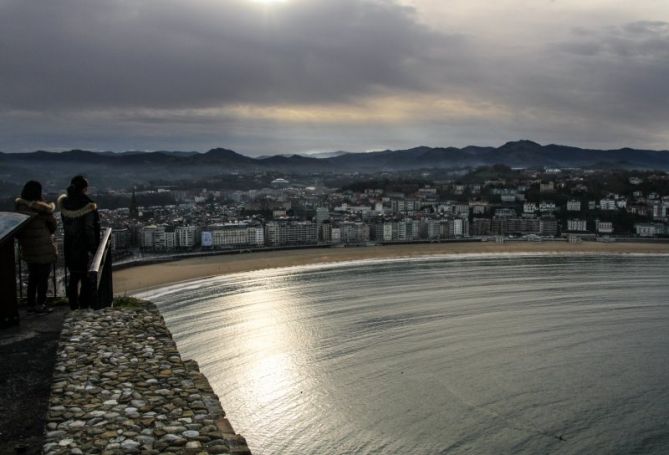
pixel 38 283
pixel 79 298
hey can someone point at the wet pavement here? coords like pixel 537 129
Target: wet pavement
pixel 27 359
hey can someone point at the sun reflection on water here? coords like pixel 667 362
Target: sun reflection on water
pixel 273 342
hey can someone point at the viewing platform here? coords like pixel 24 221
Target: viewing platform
pixel 119 384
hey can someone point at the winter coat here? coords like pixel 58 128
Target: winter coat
pixel 36 238
pixel 81 224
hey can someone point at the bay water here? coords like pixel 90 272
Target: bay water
pixel 464 354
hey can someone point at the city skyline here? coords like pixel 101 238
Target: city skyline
pixel 298 76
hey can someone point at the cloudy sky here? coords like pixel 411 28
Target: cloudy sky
pixel 285 76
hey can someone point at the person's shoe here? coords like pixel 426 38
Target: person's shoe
pixel 43 309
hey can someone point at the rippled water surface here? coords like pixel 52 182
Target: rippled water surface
pixel 509 354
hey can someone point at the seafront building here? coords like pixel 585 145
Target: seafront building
pixel 287 214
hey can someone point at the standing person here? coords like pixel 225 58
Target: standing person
pixel 81 223
pixel 38 249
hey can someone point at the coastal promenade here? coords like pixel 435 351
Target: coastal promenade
pixel 120 386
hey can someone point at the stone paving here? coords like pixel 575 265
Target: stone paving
pixel 120 386
pixel 28 357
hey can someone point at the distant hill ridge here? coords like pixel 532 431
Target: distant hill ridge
pixel 522 153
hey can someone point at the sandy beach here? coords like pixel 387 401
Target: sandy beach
pixel 135 279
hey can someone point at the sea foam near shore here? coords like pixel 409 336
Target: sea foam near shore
pixel 157 275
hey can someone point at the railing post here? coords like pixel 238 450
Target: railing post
pixel 109 278
pixel 20 275
pixel 92 285
pixel 11 223
pixel 100 273
pixel 9 306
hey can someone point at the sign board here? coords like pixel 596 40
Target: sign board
pixel 207 239
pixel 10 222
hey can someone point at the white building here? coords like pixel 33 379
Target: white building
pixel 290 233
pixel 573 206
pixel 607 204
pixel 508 197
pixel 237 235
pixel 461 209
pixel 604 227
pixel 387 232
pixel 479 209
pixel 336 235
pixel 159 238
pixel 170 239
pixel 547 207
pixel 458 227
pixel 649 229
pixel 432 229
pixel 322 214
pixel 186 236
pixel 530 207
pixel 660 209
pixel 576 225
pixel 404 206
pixel 354 232
pixel 146 236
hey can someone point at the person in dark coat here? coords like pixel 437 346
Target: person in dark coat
pixel 38 249
pixel 81 224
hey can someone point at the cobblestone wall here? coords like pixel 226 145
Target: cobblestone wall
pixel 120 386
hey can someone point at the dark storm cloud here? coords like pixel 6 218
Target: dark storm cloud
pixel 125 74
pixel 620 73
pixel 176 53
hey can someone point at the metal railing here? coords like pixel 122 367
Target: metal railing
pixel 100 273
pixel 56 280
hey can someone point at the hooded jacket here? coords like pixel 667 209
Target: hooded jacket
pixel 81 224
pixel 36 239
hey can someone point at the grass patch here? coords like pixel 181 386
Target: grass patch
pixel 130 302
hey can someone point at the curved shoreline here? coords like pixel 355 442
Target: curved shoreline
pixel 145 277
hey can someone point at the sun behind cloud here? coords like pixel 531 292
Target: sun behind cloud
pixel 269 2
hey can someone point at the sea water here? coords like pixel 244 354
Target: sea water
pixel 479 354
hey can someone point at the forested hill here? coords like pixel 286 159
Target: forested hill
pixel 515 154
pixel 114 170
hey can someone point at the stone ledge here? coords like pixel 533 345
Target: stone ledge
pixel 120 386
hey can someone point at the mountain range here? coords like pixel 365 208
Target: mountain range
pixel 523 153
pixel 109 170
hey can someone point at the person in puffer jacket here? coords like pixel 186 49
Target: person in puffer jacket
pixel 38 249
pixel 81 224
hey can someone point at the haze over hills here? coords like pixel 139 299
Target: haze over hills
pixel 144 166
